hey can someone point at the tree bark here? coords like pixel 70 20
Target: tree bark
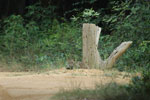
pixel 91 57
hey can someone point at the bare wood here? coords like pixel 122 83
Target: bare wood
pixel 117 53
pixel 91 57
pixel 90 37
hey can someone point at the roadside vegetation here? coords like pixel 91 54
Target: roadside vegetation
pixel 42 39
pixel 103 92
pixel 137 89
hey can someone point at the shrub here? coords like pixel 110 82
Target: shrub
pixel 139 88
pixel 129 21
pixel 38 38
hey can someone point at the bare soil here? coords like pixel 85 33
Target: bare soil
pixel 41 86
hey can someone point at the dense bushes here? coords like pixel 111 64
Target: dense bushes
pixel 42 36
pixel 135 27
pixel 38 37
pixel 129 22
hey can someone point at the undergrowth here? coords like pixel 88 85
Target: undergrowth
pixel 102 92
pixel 137 89
pixel 41 38
pixel 111 91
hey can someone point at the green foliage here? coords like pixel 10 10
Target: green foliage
pixel 119 10
pixel 134 26
pixel 106 92
pixel 65 39
pixel 102 92
pixel 140 86
pixel 106 46
pixel 41 36
pixel 129 21
pixel 79 6
pixel 15 37
pixel 41 15
pixel 87 16
pixel 136 23
pixel 39 39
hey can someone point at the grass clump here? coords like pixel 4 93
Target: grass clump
pixel 137 89
pixel 111 91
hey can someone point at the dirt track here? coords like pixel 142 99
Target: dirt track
pixel 33 86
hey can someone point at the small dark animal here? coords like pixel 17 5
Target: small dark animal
pixel 70 64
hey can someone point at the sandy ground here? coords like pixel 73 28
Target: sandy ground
pixel 41 86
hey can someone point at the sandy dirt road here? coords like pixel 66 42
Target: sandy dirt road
pixel 41 86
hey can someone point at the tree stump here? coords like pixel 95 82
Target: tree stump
pixel 91 57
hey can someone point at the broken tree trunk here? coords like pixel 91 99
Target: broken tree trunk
pixel 91 57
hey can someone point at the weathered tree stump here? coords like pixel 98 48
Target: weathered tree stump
pixel 91 57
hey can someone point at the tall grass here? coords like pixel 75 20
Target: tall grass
pixel 111 91
pixel 102 92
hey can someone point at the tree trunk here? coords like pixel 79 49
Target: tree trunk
pixel 91 57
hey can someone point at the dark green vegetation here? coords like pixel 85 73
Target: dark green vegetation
pixel 46 34
pixel 42 37
pixel 111 91
pixel 103 92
